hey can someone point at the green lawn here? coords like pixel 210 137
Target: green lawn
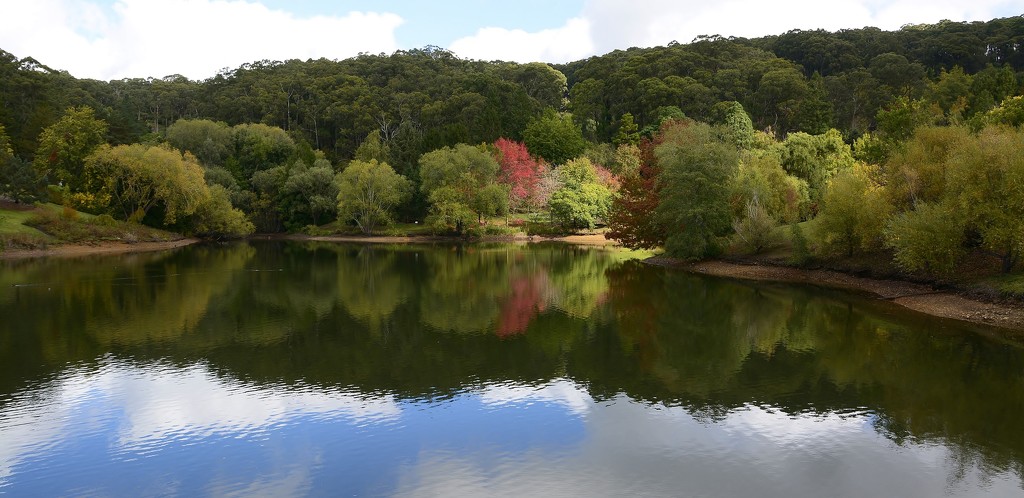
pixel 12 222
pixel 55 226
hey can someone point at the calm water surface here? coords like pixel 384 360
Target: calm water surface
pixel 290 369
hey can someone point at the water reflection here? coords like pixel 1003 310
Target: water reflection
pixel 288 368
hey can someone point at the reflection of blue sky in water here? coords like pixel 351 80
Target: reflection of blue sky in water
pixel 127 430
pixel 152 426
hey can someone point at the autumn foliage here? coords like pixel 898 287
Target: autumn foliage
pixel 519 171
pixel 631 221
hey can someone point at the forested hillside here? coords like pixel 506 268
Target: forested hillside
pixel 874 136
pixel 798 81
pixel 805 80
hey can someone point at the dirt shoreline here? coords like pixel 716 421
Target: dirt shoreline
pixel 105 247
pixel 588 240
pixel 112 247
pixel 918 297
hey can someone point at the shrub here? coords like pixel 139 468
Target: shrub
pixel 801 253
pixel 756 231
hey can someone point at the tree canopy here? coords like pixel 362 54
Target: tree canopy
pixel 368 192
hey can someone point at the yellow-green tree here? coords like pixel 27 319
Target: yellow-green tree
pixel 986 184
pixel 928 238
pixel 853 212
pixel 130 180
pixel 582 200
pixel 64 145
pixel 215 218
pixel 368 192
pixel 459 182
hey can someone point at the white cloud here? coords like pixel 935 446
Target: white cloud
pixel 196 38
pixel 569 42
pixel 606 25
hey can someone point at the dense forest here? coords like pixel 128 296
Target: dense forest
pixel 880 138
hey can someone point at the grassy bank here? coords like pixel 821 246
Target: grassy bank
pixel 40 226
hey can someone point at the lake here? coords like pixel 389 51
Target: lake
pixel 294 369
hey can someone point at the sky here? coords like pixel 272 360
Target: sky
pixel 114 39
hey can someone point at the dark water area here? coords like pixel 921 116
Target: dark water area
pixel 317 369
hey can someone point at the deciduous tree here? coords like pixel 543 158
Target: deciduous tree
pixel 209 141
pixel 457 180
pixel 554 137
pixel 216 218
pixel 130 180
pixel 929 238
pixel 368 192
pixel 64 145
pixel 315 190
pixel 582 200
pixel 631 220
pixel 519 172
pixel 853 212
pixel 696 164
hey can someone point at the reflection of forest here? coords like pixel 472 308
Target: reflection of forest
pixel 424 321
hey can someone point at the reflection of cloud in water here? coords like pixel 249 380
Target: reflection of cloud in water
pixel 195 402
pixel 546 440
pixel 561 392
pixel 636 449
pixel 295 482
pixel 159 403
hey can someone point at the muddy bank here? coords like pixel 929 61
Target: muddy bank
pixel 917 297
pixel 590 239
pixel 106 247
pixel 110 247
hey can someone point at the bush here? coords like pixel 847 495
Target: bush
pixel 315 231
pixel 801 253
pixel 104 220
pixel 756 231
pixel 22 241
pixel 544 229
pixel 929 238
pixel 68 213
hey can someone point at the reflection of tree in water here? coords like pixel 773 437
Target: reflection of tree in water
pixel 83 308
pixel 578 280
pixel 463 286
pixel 524 301
pixel 715 346
pixel 134 299
pixel 371 285
pixel 483 289
pixel 709 345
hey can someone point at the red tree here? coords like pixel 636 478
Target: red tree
pixel 608 179
pixel 518 170
pixel 631 220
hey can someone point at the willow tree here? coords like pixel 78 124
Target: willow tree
pixel 368 192
pixel 986 183
pixel 130 180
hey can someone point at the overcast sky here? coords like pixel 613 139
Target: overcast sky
pixel 112 39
